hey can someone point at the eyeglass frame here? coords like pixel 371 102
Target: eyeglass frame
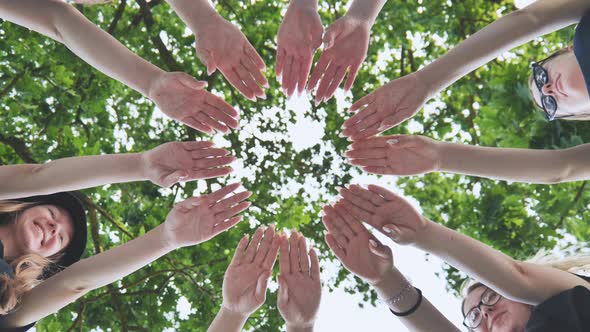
pixel 478 307
pixel 547 115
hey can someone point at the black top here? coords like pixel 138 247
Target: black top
pixel 582 47
pixel 567 311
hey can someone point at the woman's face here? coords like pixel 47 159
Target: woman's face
pixel 566 84
pixel 43 229
pixel 504 316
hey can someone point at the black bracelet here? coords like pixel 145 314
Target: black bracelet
pixel 412 309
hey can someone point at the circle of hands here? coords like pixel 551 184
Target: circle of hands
pixel 222 46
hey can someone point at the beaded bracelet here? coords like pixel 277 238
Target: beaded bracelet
pixel 412 309
pixel 402 295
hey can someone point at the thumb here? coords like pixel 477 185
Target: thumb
pixel 316 37
pixel 192 82
pixel 379 249
pixel 331 34
pixel 393 232
pixel 283 293
pixel 207 59
pixel 261 285
pixel 172 178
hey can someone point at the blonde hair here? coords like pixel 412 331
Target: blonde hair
pixel 28 269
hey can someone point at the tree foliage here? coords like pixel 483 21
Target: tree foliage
pixel 54 105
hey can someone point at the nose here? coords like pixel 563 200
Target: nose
pixel 487 310
pixel 548 89
pixel 53 227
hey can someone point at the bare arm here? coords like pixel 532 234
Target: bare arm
pixel 189 223
pixel 519 281
pixel 512 30
pixel 521 165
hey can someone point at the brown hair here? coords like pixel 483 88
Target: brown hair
pixel 28 269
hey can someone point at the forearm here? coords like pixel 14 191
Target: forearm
pixel 299 329
pixel 512 30
pixel 227 321
pixel 366 10
pixel 87 275
pixel 425 318
pixel 69 174
pixel 65 24
pixel 196 14
pixel 521 165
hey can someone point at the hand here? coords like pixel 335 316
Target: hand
pixel 384 210
pixel 184 161
pixel 397 155
pixel 221 45
pixel 246 278
pixel 300 289
pixel 385 107
pixel 300 35
pixel 345 47
pixel 198 219
pixel 182 98
pixel 359 251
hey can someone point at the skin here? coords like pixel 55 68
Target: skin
pixel 504 316
pixel 566 84
pixel 43 229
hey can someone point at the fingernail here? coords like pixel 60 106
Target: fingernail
pixel 341 134
pixel 317 102
pixel 373 243
pixel 387 230
pixel 338 188
pixel 266 85
pixel 263 97
pixel 382 128
pixel 392 141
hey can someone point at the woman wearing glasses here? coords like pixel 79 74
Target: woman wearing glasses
pixel 559 85
pixel 511 295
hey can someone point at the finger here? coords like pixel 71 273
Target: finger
pixel 209 173
pixel 191 82
pixel 255 71
pixel 173 178
pixel 318 71
pixel 354 121
pixel 230 201
pixel 197 125
pixel 294 77
pixel 357 200
pixel 288 74
pixel 331 34
pixel 265 244
pixel 356 211
pixel 393 232
pixel 261 285
pixel 253 245
pixel 371 143
pixel 190 203
pixel 342 222
pixel 206 153
pixel 284 264
pixel 294 252
pixel 234 79
pixel 271 256
pixel 207 120
pixel 336 219
pixel 325 82
pixel 239 253
pixel 328 220
pixel 206 58
pixel 280 64
pixel 377 248
pixel 383 192
pixel 392 120
pixel 353 223
pixel 220 104
pixel 197 145
pixel 371 131
pixel 249 80
pixel 306 62
pixel 380 162
pixel 352 72
pixel 254 56
pixel 314 270
pixel 333 245
pixel 214 162
pixel 375 153
pixel 366 100
pixel 232 211
pixel 338 76
pixel 221 193
pixel 368 195
pixel 303 261
pixel 220 117
pixel 223 226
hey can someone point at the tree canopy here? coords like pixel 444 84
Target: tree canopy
pixel 54 105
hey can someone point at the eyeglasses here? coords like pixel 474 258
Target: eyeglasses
pixel 474 316
pixel 541 77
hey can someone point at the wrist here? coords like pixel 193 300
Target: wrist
pixel 306 3
pixel 365 10
pixel 162 238
pixel 392 283
pixel 232 315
